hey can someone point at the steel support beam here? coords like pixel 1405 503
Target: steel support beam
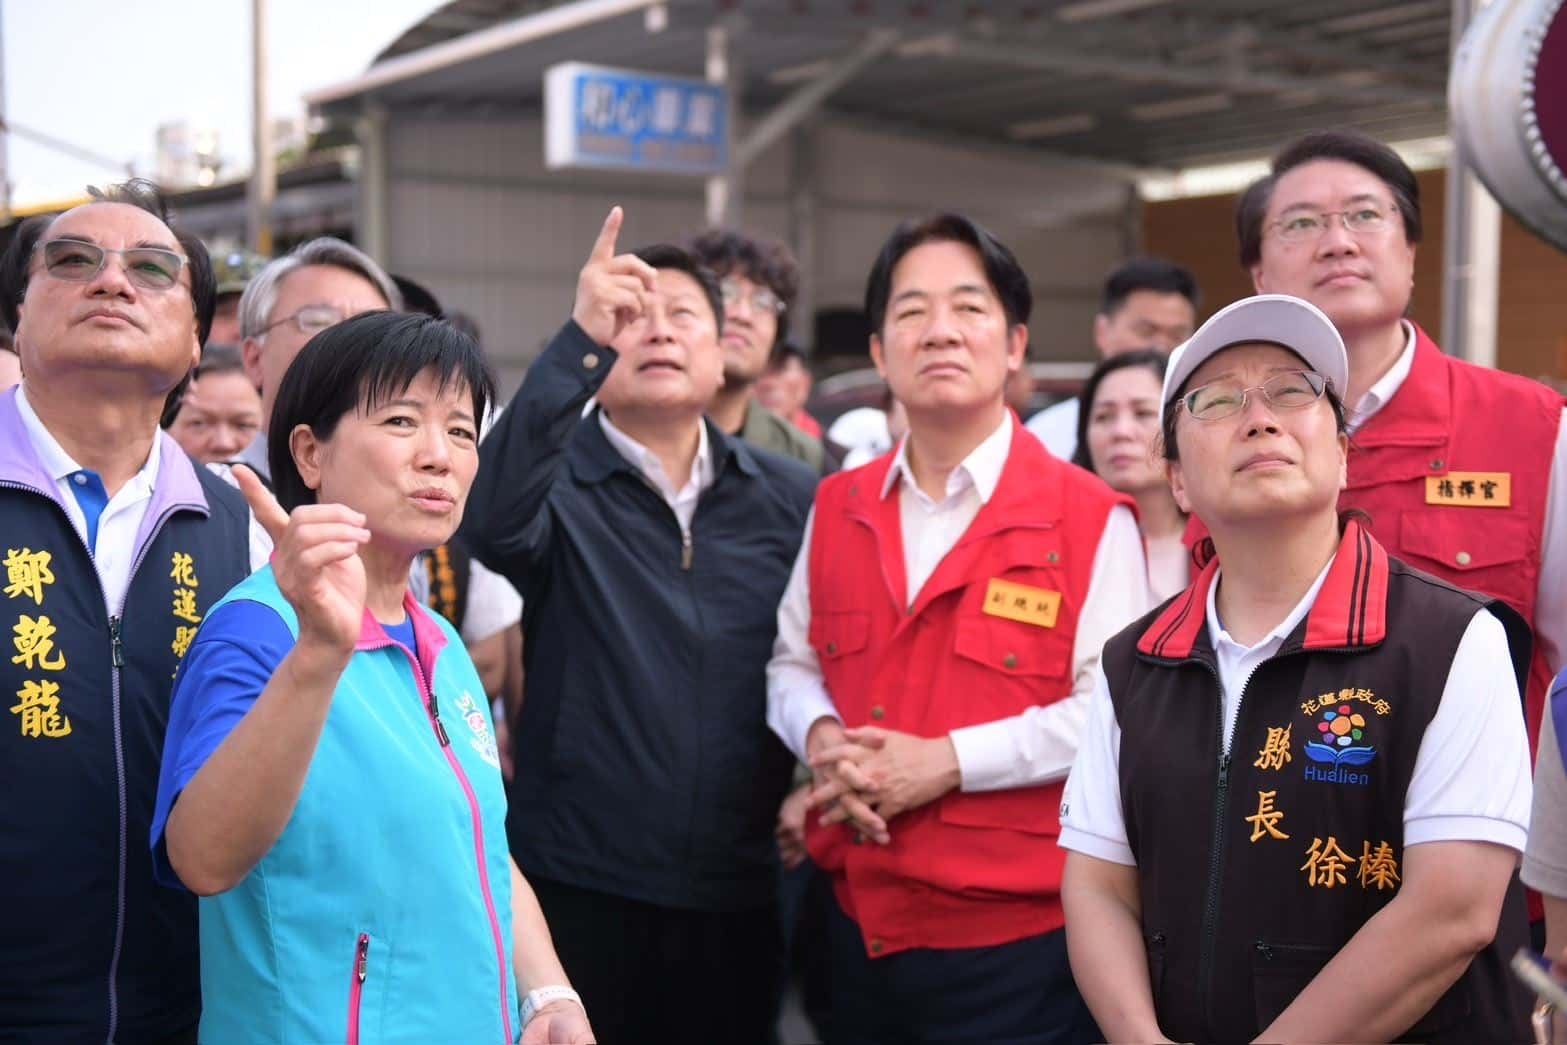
pixel 808 97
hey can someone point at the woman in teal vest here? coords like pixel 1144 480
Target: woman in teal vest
pixel 330 783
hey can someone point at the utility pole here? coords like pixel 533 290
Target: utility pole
pixel 263 173
pixel 5 139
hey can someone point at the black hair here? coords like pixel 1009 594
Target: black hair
pixel 1172 408
pixel 1156 274
pixel 1344 145
pixel 139 193
pixel 1006 276
pixel 669 256
pixel 360 362
pixel 216 358
pixel 764 261
pixel 784 353
pixel 417 297
pixel 1149 358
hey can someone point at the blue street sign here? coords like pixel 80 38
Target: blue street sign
pixel 596 116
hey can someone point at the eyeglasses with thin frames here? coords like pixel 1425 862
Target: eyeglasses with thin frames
pixel 1291 390
pixel 309 320
pixel 78 261
pixel 762 299
pixel 1358 221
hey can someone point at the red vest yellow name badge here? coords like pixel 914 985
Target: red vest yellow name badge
pixel 1019 602
pixel 1471 489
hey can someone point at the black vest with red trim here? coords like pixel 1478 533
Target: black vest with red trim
pixel 1256 867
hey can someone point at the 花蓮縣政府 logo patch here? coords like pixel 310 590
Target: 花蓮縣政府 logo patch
pixel 1339 747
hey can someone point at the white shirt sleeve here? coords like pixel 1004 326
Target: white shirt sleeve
pixel 1550 607
pixel 796 693
pixel 1038 746
pixel 1056 427
pixel 1092 820
pixel 1471 778
pixel 493 604
pixel 260 542
pixel 1545 861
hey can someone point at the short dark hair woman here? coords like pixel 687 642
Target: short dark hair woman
pixel 330 782
pixel 1304 782
pixel 1117 440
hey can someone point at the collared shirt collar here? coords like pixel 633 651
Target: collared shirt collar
pixel 982 467
pixel 647 462
pixel 1387 386
pixel 1281 631
pixel 59 464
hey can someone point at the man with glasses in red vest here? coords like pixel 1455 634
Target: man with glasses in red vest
pixel 1461 468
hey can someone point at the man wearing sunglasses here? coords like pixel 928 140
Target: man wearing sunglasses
pixel 759 280
pixel 115 544
pixel 316 285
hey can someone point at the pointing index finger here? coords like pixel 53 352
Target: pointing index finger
pixel 263 505
pixel 604 246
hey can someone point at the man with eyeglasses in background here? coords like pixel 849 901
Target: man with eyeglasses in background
pixel 759 279
pixel 115 543
pixel 316 285
pixel 1461 468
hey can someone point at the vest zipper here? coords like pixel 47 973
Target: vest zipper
pixel 116 648
pixel 431 707
pixel 356 986
pixel 1221 806
pixel 686 549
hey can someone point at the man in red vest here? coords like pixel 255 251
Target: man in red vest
pixel 948 607
pixel 1460 467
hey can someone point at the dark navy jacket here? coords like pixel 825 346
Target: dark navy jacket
pixel 91 949
pixel 645 767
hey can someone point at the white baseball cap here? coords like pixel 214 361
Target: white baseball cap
pixel 1277 319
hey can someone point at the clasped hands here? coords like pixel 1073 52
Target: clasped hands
pixel 867 776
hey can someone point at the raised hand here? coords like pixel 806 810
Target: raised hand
pixel 316 562
pixel 612 289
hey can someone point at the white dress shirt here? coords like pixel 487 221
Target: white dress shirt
pixel 1056 427
pixel 682 501
pixel 1550 607
pixel 1034 747
pixel 1471 777
pixel 122 516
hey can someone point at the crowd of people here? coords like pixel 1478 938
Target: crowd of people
pixel 348 703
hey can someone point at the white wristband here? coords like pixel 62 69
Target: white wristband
pixel 539 997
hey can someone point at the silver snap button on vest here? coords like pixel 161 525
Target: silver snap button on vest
pixel 1462 558
pixel 590 360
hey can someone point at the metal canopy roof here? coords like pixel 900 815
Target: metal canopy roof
pixel 1145 83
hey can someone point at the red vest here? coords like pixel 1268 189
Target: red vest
pixel 1450 417
pixel 968 870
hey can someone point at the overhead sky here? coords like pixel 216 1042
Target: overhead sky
pixel 103 74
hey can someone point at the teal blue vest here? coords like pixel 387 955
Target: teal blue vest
pixel 383 912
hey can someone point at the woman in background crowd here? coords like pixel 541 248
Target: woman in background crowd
pixel 1117 430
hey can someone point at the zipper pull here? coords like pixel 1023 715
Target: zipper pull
pixel 686 550
pixel 362 961
pixel 1224 773
pixel 116 648
pixel 435 717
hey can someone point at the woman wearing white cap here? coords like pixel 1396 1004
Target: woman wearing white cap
pixel 1303 787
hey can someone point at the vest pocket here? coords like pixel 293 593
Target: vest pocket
pixel 838 633
pixel 1154 944
pixel 1482 550
pixel 1279 972
pixel 1012 649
